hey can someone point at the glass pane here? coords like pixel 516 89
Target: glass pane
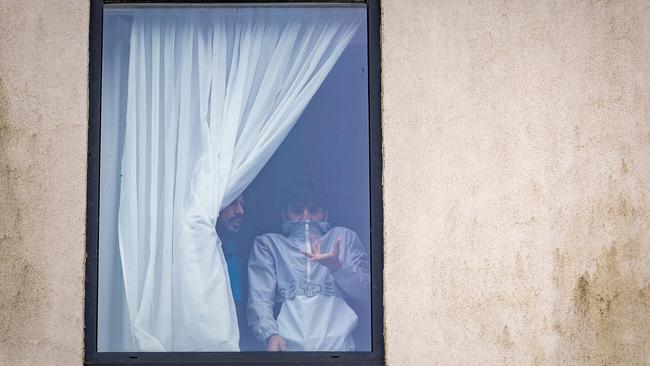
pixel 234 198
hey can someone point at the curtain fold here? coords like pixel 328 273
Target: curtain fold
pixel 210 97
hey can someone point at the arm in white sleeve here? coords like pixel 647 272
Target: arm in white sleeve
pixel 353 277
pixel 262 282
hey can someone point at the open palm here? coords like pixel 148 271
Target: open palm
pixel 329 259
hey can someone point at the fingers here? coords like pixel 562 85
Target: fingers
pixel 314 257
pixel 310 255
pixel 337 246
pixel 316 254
pixel 315 244
pixel 277 348
pixel 320 257
pixel 276 343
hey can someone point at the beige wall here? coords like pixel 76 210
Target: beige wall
pixel 43 137
pixel 517 178
pixel 517 175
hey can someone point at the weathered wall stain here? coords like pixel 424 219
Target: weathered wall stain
pixel 522 129
pixel 23 295
pixel 611 322
pixel 43 99
pixel 581 295
pixel 606 320
pixel 505 339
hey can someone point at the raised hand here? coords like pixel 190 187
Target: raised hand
pixel 330 259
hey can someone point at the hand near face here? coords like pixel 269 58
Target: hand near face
pixel 330 259
pixel 276 344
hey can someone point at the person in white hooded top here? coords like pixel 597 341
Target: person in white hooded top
pixel 312 271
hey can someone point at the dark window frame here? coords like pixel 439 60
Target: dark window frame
pixel 92 357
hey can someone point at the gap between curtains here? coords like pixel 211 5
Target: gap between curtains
pixel 210 97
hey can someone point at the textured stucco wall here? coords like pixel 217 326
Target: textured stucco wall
pixel 43 134
pixel 517 175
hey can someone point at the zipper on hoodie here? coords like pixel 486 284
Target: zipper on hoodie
pixel 308 249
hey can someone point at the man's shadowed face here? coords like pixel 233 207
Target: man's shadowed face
pixel 231 217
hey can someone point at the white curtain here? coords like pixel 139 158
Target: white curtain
pixel 211 94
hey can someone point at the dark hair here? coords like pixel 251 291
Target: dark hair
pixel 304 191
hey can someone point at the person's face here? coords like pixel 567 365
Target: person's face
pixel 304 212
pixel 231 217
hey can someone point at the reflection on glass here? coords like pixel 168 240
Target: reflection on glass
pixel 234 202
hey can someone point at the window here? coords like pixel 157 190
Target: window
pixel 234 194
